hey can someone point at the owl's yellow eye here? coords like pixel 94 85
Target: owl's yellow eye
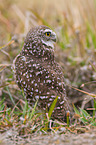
pixel 48 34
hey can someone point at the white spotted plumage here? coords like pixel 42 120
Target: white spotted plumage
pixel 37 73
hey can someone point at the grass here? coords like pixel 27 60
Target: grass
pixel 77 51
pixel 85 117
pixel 26 119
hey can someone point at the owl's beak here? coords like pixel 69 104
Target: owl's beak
pixel 54 37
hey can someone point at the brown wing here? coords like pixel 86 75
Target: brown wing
pixel 42 80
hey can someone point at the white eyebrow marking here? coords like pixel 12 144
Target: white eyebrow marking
pixel 48 30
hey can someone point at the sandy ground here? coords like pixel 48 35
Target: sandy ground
pixel 87 138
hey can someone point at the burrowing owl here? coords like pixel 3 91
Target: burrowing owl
pixel 38 74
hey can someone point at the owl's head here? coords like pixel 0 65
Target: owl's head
pixel 41 35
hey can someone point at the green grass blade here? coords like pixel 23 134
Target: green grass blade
pixel 93 123
pixel 10 95
pixel 68 120
pixel 52 107
pixel 25 108
pixel 94 111
pixel 33 111
pixel 84 120
pixel 84 113
pixel 2 104
pixel 76 110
